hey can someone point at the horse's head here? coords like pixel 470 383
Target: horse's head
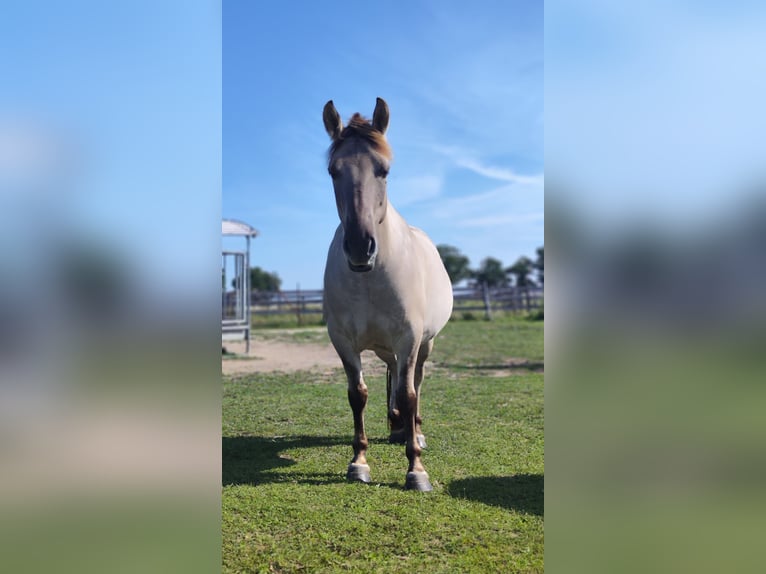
pixel 359 160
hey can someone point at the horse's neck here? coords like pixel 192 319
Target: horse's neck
pixel 394 235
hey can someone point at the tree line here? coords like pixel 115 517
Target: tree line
pixel 525 272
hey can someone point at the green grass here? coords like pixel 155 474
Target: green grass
pixel 286 443
pixel 504 342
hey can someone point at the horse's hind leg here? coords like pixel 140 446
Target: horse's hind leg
pixel 395 421
pixel 423 352
pixel 358 470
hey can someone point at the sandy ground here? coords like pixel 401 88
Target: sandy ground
pixel 277 356
pixel 287 357
pixel 283 356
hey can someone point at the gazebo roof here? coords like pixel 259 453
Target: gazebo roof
pixel 234 227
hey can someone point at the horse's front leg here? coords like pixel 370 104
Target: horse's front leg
pixel 396 423
pixel 357 398
pixel 407 401
pixel 358 470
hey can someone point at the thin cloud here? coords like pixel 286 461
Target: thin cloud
pixel 503 219
pixel 499 173
pixel 409 190
pixel 488 200
pixel 496 202
pixel 467 160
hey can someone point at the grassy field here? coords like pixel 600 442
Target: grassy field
pixel 286 444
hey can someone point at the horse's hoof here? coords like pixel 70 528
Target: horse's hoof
pixel 418 481
pixel 358 473
pixel 422 441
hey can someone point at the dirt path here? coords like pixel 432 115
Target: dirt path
pixel 284 356
pixel 278 356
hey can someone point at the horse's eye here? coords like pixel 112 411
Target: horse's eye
pixel 381 173
pixel 333 171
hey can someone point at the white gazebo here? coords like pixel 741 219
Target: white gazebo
pixel 235 284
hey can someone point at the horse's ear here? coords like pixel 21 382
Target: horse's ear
pixel 380 116
pixel 332 121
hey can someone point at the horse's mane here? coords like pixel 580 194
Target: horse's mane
pixel 360 127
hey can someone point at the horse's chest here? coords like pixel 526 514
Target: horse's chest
pixel 380 310
pixel 369 315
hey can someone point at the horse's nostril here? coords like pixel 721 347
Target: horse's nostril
pixel 360 249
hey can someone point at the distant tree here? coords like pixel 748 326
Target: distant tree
pixel 456 264
pixel 491 272
pixel 261 280
pixel 522 270
pixel 539 266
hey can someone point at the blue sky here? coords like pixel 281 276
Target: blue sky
pixel 464 83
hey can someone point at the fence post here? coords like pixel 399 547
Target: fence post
pixel 487 306
pixel 298 304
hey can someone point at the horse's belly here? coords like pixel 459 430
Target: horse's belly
pixel 439 309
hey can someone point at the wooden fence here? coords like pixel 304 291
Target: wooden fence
pixel 467 301
pixel 492 299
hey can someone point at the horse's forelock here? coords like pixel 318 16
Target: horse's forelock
pixel 359 126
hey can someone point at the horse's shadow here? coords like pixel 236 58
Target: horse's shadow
pixel 252 459
pixel 522 492
pixel 258 459
pixel 526 365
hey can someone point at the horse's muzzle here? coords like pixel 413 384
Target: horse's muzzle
pixel 362 268
pixel 364 263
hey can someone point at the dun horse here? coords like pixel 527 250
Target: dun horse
pixel 385 287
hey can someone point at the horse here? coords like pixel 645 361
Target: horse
pixel 385 287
